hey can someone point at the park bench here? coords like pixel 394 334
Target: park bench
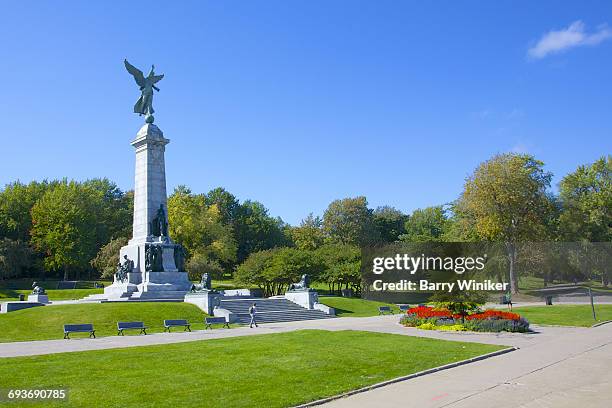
pixel 79 328
pixel 384 309
pixel 176 323
pixel 121 326
pixel 404 308
pixel 209 321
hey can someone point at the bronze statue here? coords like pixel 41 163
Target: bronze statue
pixel 154 258
pixel 179 257
pixel 123 269
pixel 37 290
pixel 144 105
pixel 158 225
pixel 303 284
pixel 205 284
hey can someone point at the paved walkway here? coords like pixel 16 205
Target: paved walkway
pixel 572 368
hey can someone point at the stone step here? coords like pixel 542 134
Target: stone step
pixel 271 310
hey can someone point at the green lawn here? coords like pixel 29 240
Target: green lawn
pixel 54 294
pixel 47 322
pixel 565 315
pixel 354 307
pixel 273 370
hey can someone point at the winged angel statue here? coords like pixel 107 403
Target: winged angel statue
pixel 144 105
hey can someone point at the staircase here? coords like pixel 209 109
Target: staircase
pixel 270 310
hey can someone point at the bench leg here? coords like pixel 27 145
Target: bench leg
pixel 119 332
pixel 187 328
pixel 92 334
pixel 167 329
pixel 66 336
pixel 143 331
pixel 208 326
pixel 226 324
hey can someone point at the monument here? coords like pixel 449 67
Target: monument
pixel 152 266
pixel 302 294
pixel 38 294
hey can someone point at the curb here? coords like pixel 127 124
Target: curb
pixel 407 377
pixel 601 323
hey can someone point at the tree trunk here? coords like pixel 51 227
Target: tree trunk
pixel 511 248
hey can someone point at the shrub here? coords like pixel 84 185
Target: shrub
pixel 199 264
pixel 520 325
pixel 452 327
pixel 427 326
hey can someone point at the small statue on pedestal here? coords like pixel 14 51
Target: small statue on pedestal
pixel 37 290
pixel 205 284
pixel 303 284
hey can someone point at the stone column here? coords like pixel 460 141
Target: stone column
pixel 150 180
pixel 165 280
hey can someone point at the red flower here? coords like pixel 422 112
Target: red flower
pixel 494 314
pixel 425 312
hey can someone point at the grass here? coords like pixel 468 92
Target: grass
pixel 354 307
pixel 565 315
pixel 41 323
pixel 54 294
pixel 273 370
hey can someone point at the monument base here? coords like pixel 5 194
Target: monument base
pixel 38 298
pixel 206 300
pixel 153 285
pixel 305 298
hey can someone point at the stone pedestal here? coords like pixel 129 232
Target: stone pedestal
pixel 38 298
pixel 150 280
pixel 206 300
pixel 305 298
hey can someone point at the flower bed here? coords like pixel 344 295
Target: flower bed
pixel 490 320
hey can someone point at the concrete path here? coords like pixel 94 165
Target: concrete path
pixel 383 324
pixel 570 368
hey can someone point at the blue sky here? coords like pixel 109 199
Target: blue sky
pixel 298 103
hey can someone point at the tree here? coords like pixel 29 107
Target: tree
pixel 64 227
pixel 107 258
pixel 341 266
pixel 586 200
pixel 199 227
pixel 389 222
pixel 16 202
pixel 273 270
pixel 309 235
pixel 256 231
pixel 115 209
pixel 350 221
pixel 226 202
pixel 15 258
pixel 199 264
pixel 251 271
pixel 506 200
pixel 426 225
